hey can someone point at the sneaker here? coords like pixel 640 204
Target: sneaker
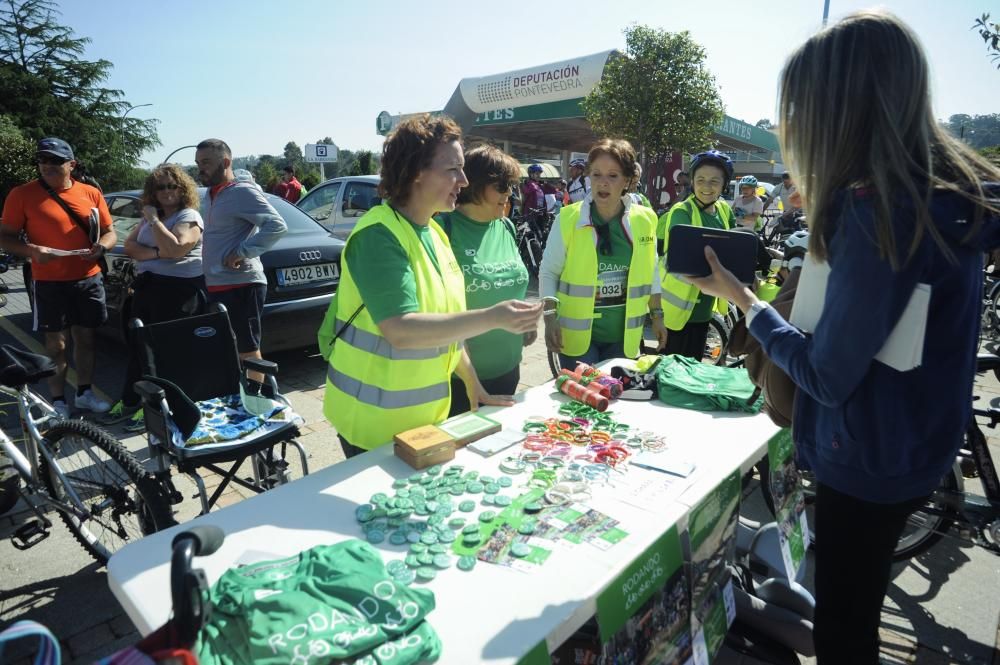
pixel 118 413
pixel 61 407
pixel 136 423
pixel 88 401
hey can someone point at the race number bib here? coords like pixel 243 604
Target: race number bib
pixel 611 286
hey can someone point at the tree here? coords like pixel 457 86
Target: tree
pixel 990 32
pixel 979 131
pixel 765 123
pixel 659 95
pixel 16 157
pixel 49 89
pixel 293 154
pixel 992 153
pixel 364 163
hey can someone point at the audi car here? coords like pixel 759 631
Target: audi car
pixel 302 268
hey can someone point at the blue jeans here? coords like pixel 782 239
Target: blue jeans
pixel 597 352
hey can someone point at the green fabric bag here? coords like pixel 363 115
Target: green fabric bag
pixel 330 603
pixel 690 384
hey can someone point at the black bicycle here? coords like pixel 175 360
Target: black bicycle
pixel 532 230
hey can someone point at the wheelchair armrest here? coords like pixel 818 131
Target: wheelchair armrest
pixel 259 365
pixel 150 392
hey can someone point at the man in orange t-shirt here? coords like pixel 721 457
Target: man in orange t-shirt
pixel 68 288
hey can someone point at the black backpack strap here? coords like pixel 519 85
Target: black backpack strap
pixel 84 226
pixel 347 324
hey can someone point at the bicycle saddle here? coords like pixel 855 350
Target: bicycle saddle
pixel 19 367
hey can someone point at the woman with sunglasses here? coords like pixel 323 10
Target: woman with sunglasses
pixel 166 248
pixel 485 245
pixel 599 275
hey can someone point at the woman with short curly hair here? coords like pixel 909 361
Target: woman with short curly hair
pixel 399 320
pixel 166 248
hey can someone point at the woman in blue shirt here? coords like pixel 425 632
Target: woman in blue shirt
pixel 893 202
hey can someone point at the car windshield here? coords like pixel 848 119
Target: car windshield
pixel 298 222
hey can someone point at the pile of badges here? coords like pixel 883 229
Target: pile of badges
pixel 425 514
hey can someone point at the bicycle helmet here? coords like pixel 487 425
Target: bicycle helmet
pixel 579 163
pixel 535 168
pixel 714 157
pixel 748 180
pixel 795 247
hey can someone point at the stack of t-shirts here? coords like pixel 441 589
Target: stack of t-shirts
pixel 330 603
pixel 692 384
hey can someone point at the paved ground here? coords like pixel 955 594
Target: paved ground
pixel 943 607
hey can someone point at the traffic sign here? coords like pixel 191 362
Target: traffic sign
pixel 320 152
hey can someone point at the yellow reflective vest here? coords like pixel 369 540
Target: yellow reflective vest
pixel 373 389
pixel 679 297
pixel 578 283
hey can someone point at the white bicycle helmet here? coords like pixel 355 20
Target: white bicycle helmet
pixel 795 248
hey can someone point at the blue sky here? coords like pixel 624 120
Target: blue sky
pixel 258 74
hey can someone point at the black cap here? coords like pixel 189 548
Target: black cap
pixel 55 147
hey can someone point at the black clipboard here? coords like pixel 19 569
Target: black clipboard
pixel 737 251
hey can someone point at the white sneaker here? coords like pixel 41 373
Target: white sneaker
pixel 62 409
pixel 91 402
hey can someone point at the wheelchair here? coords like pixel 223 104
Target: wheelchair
pixel 201 410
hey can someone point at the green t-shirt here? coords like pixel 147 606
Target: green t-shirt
pixel 493 271
pixel 382 272
pixel 332 602
pixel 612 277
pixel 703 308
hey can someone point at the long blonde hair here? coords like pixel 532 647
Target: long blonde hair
pixel 855 111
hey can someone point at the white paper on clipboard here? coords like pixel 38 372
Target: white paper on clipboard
pixel 904 348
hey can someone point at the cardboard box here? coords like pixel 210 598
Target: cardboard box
pixel 424 446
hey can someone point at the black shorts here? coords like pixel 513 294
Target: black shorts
pixel 59 305
pixel 245 305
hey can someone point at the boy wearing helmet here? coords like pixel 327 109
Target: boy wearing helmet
pixel 686 311
pixel 746 206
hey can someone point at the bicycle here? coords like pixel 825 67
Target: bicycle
pixel 530 241
pixel 950 508
pixel 100 490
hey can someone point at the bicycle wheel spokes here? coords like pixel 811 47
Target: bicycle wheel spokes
pixel 122 501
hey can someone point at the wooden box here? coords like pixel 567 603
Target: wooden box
pixel 424 446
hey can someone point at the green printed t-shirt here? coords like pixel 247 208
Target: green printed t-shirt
pixel 703 308
pixel 494 272
pixel 382 272
pixel 333 602
pixel 612 278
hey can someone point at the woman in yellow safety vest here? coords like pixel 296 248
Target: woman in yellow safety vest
pixel 598 278
pixel 399 318
pixel 686 310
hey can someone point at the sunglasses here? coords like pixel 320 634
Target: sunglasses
pixel 504 187
pixel 51 161
pixel 162 188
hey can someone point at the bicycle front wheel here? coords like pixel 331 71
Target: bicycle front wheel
pixel 123 501
pixel 928 524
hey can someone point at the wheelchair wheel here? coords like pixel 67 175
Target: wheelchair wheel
pixel 124 501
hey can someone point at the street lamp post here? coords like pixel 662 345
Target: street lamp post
pixel 167 160
pixel 122 121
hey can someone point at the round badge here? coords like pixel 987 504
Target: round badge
pixel 487 516
pixel 426 573
pixel 466 563
pixel 520 550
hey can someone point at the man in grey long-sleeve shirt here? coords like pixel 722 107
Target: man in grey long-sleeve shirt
pixel 240 225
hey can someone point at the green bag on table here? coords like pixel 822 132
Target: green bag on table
pixel 690 384
pixel 329 603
